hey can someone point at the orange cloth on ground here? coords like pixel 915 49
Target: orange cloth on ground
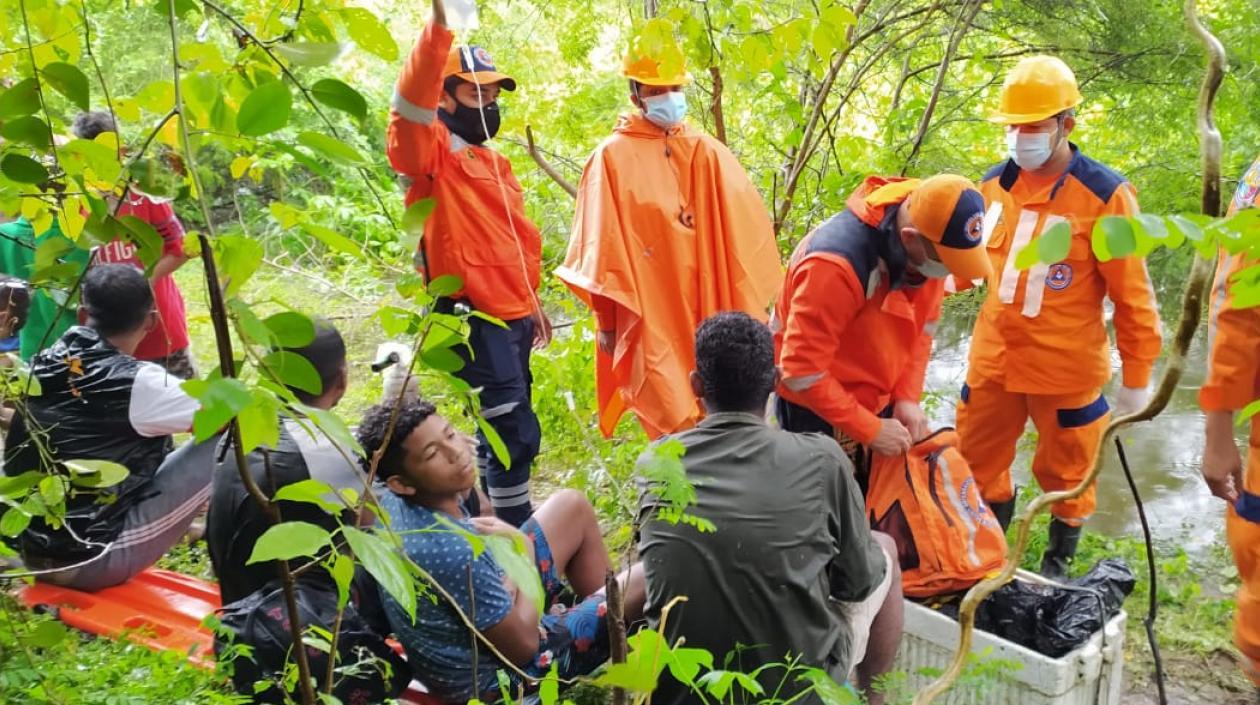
pixel 846 342
pixel 478 230
pixel 1232 383
pixel 1041 330
pixel 668 231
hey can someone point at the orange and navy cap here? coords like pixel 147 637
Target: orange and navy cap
pixel 473 64
pixel 949 211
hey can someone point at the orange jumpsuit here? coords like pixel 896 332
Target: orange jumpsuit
pixel 850 337
pixel 668 231
pixel 478 229
pixel 1040 344
pixel 1233 382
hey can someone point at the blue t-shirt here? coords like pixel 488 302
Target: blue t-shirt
pixel 439 645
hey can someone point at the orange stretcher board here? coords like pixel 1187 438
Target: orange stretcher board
pixel 159 609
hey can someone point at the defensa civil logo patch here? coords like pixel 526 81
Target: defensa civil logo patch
pixel 1059 276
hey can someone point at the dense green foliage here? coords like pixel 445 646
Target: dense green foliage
pixel 272 145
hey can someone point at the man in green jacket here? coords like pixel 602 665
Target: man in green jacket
pixel 48 317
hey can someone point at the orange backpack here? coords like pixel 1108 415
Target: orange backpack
pixel 947 539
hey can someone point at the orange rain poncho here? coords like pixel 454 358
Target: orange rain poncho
pixel 668 231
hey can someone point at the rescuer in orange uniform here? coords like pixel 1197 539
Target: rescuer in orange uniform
pixel 445 106
pixel 853 326
pixel 1234 382
pixel 668 231
pixel 1040 345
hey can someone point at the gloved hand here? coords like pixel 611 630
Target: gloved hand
pixel 1131 399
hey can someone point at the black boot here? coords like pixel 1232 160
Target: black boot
pixel 1004 511
pixel 1060 549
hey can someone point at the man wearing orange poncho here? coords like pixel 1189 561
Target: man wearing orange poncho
pixel 668 231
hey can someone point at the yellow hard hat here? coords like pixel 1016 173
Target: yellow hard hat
pixel 1037 88
pixel 654 57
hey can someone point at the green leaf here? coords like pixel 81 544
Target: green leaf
pixel 311 492
pixel 718 683
pixel 14 488
pixel 21 99
pixel 69 81
pixel 45 635
pixel 293 370
pixel 445 285
pixel 312 53
pixel 342 571
pixel 23 169
pixel 386 563
pixel 370 33
pixel 1054 244
pixel 340 96
pixel 334 428
pixel 239 257
pixel 250 328
pixel 442 359
pixel 290 539
pixel 221 400
pixel 643 664
pixel 291 329
pixel 27 130
pixel 332 148
pixel 496 443
pixel 827 689
pixel 149 244
pixel 416 215
pixel 265 110
pixel 157 97
pixel 333 239
pixel 1113 238
pixel 684 663
pixel 182 7
pixel 512 556
pixel 14 521
pixel 53 490
pixel 1248 411
pixel 96 473
pixel 396 321
pixel 259 422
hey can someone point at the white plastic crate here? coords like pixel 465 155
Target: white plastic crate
pixel 1090 675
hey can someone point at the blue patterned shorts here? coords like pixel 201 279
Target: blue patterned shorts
pixel 574 639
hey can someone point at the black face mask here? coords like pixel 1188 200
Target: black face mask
pixel 466 121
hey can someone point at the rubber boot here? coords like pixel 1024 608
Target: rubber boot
pixel 1060 549
pixel 1004 511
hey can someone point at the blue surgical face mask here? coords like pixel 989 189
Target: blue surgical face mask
pixel 665 110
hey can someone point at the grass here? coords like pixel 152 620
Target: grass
pixel 1194 594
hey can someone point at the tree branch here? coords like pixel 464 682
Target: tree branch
pixel 546 166
pixel 959 30
pixel 227 368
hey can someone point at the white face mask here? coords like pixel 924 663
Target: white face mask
pixel 1030 150
pixel 932 269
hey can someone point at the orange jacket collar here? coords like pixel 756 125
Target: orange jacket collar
pixel 636 125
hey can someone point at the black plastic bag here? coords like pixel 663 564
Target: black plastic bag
pixel 1054 620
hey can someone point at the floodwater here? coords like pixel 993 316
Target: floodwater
pixel 1163 453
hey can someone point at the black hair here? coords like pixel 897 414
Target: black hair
pixel 88 125
pixel 735 361
pixel 117 298
pixel 372 430
pixel 326 353
pixel 15 297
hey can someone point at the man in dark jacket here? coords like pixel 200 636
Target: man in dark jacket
pixel 97 402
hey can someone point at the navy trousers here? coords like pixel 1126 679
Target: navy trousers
pixel 499 365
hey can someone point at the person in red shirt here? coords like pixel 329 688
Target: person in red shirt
pixel 167 343
pixel 445 107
